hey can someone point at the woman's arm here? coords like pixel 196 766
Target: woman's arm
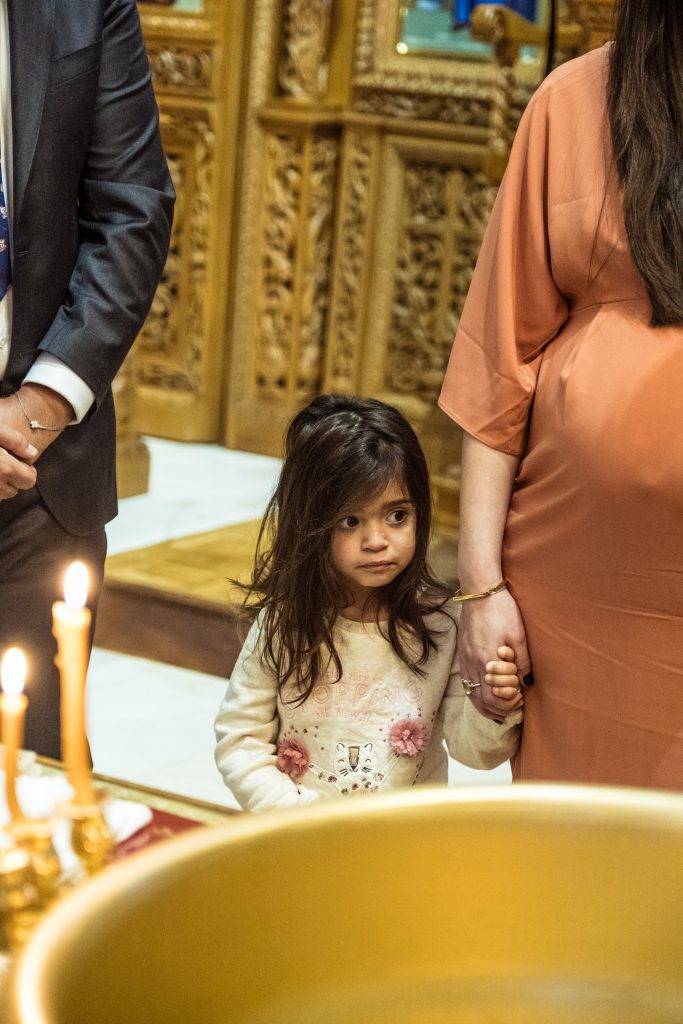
pixel 492 622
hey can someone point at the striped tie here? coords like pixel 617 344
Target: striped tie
pixel 5 266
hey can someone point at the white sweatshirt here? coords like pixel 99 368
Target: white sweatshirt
pixel 381 726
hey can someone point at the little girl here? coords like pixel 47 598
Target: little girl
pixel 346 681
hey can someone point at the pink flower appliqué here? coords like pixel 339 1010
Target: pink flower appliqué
pixel 408 737
pixel 292 758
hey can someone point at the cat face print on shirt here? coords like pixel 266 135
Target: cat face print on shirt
pixel 355 760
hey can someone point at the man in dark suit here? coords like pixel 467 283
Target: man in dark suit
pixel 89 209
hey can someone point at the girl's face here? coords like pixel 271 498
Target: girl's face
pixel 371 545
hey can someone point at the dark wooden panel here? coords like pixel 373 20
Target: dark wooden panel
pixel 148 623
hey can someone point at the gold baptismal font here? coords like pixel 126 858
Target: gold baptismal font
pixel 515 905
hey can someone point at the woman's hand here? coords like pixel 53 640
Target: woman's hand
pixel 485 626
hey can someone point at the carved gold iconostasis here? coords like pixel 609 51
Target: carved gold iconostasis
pixel 333 186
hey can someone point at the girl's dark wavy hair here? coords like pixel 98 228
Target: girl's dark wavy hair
pixel 340 452
pixel 645 109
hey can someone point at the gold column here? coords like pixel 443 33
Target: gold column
pixel 197 62
pixel 297 89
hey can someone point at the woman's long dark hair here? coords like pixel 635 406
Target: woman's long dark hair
pixel 340 452
pixel 645 107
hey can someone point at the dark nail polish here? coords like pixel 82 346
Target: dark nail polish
pixel 528 679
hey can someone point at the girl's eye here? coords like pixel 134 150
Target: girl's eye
pixel 399 515
pixel 349 522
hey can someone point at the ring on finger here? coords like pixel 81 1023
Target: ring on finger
pixel 469 686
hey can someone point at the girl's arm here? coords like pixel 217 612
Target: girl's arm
pixel 491 622
pixel 247 727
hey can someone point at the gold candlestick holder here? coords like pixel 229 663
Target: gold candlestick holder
pixel 91 838
pixel 34 835
pixel 20 902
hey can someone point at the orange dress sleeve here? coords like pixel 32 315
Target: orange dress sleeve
pixel 513 307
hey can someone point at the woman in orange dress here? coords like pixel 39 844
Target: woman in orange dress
pixel 567 378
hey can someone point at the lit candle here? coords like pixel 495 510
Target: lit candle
pixel 71 627
pixel 13 708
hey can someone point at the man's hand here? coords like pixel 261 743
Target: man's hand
pixel 34 402
pixel 20 445
pixel 17 456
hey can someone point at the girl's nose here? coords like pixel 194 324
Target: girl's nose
pixel 374 538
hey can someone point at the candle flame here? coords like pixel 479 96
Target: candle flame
pixel 13 671
pixel 76 585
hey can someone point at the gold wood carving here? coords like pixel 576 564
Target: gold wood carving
pixel 596 17
pixel 365 52
pixel 315 266
pixel 434 203
pixel 304 64
pixel 454 90
pixel 173 339
pixel 351 266
pixel 297 218
pixel 397 85
pixel 445 209
pixel 188 69
pixel 284 167
pixel 171 24
pixel 465 105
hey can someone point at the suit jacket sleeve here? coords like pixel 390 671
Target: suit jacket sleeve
pixel 125 205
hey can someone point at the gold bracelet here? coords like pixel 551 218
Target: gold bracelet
pixel 35 424
pixel 485 593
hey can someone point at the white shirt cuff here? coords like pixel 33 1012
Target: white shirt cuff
pixel 52 373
